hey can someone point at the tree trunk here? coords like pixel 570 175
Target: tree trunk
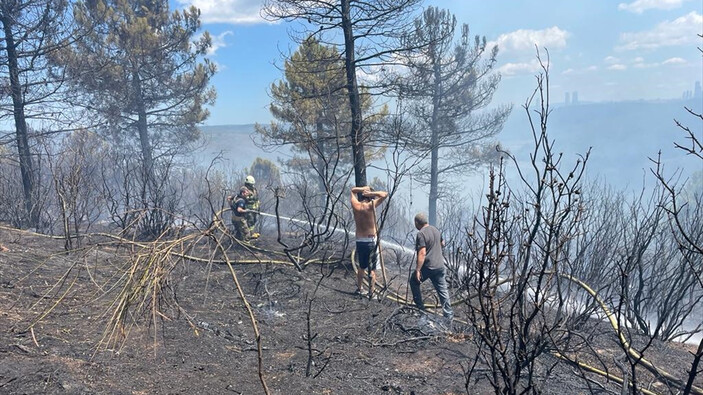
pixel 144 140
pixel 434 143
pixel 356 134
pixel 694 368
pixel 322 167
pixel 21 134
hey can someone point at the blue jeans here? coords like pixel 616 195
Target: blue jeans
pixel 440 285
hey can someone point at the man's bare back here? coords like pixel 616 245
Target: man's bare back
pixel 364 215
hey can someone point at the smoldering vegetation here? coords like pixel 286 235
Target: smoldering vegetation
pixel 550 274
pixel 542 270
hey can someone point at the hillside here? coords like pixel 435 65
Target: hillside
pixel 202 341
pixel 236 145
pixel 622 137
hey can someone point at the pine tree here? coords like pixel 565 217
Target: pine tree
pixel 138 68
pixel 448 82
pixel 366 34
pixel 311 108
pixel 310 103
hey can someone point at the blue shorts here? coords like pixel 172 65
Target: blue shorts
pixel 367 253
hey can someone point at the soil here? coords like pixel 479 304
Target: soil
pixel 53 324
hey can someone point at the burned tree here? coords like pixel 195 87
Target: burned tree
pixel 688 233
pixel 515 258
pixel 138 69
pixel 366 34
pixel 448 82
pixel 31 31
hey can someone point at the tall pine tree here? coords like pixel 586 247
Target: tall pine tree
pixel 311 110
pixel 141 70
pixel 448 83
pixel 366 33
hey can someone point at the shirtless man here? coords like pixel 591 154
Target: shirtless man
pixel 364 202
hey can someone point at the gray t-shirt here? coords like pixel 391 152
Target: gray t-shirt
pixel 430 238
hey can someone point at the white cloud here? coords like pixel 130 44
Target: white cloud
pixel 219 66
pixel 681 31
pixel 525 40
pixel 571 71
pixel 227 11
pixel 674 61
pixel 218 42
pixel 371 75
pixel 639 6
pixel 510 69
pixel 641 65
pixel 611 60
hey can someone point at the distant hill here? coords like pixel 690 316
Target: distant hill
pixel 236 144
pixel 623 135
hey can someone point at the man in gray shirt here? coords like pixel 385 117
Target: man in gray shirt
pixel 430 264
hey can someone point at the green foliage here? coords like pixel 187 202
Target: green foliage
pixel 265 173
pixel 449 81
pixel 139 69
pixel 311 108
pixel 367 34
pixel 310 104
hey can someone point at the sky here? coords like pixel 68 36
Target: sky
pixel 601 49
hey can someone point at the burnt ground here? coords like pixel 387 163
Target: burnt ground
pixel 203 341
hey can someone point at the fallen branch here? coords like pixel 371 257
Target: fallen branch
pixel 410 339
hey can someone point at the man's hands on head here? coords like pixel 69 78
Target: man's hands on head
pixel 358 190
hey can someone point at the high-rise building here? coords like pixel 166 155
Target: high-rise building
pixel 566 98
pixel 575 97
pixel 697 94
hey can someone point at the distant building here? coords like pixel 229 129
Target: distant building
pixel 694 94
pixel 566 98
pixel 575 98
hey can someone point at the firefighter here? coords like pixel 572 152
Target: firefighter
pixel 252 205
pixel 239 211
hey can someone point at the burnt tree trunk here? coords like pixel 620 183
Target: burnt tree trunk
pixel 21 130
pixel 434 143
pixel 144 140
pixel 357 125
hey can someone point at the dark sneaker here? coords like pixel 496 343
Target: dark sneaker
pixel 360 292
pixel 373 297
